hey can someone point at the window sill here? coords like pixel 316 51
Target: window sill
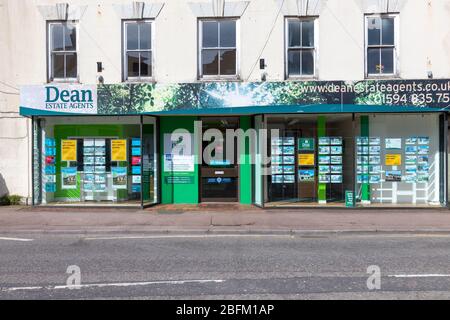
pixel 220 79
pixel 139 80
pixel 302 78
pixel 382 77
pixel 62 81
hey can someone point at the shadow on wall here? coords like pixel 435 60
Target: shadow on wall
pixel 3 188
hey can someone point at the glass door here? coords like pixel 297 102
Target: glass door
pixel 259 160
pixel 219 173
pixel 148 160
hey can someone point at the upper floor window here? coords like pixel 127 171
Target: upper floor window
pixel 137 50
pixel 381 45
pixel 63 60
pixel 300 47
pixel 218 48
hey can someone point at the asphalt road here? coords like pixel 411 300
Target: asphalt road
pixel 125 266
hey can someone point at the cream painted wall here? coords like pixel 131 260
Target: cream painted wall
pixel 424 46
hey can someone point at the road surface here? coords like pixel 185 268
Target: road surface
pixel 134 266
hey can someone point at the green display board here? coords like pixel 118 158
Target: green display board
pixel 245 167
pixel 365 187
pixel 179 179
pixel 306 144
pixel 349 199
pixel 321 132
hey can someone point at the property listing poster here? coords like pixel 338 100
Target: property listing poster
pixel 283 160
pixel 179 158
pixel 417 169
pixel 50 169
pixel 178 152
pixel 68 150
pixel 69 178
pixel 368 160
pixel 330 152
pixel 405 160
pixel 119 177
pixel 136 161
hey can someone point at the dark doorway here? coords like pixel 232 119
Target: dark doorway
pixel 219 176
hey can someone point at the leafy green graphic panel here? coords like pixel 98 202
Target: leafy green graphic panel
pixel 151 97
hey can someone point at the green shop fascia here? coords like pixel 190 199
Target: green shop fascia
pixel 327 143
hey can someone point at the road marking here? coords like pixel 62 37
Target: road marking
pixel 103 285
pixel 15 239
pixel 430 275
pixel 20 288
pixel 187 236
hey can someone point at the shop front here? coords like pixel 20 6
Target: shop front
pixel 375 159
pixel 91 160
pixel 274 145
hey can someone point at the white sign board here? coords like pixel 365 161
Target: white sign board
pixel 59 98
pixel 179 152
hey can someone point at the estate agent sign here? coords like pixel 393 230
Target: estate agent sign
pixel 78 99
pixel 260 97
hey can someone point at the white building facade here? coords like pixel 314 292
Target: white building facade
pixel 52 45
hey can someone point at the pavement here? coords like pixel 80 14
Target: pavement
pixel 222 219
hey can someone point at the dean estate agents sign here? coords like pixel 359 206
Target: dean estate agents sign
pixel 139 98
pixel 73 99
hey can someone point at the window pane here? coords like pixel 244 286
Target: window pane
pixel 228 62
pixel 210 62
pixel 388 31
pixel 133 64
pixel 132 36
pixel 70 38
pixel 308 33
pixel 373 61
pixel 146 64
pixel 210 33
pixel 387 60
pixel 145 35
pixel 373 32
pixel 71 65
pixel 58 65
pixel 294 33
pixel 294 62
pixel 307 62
pixel 57 36
pixel 228 33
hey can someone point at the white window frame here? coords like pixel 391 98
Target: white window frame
pixel 50 75
pixel 316 47
pixel 396 46
pixel 200 47
pixel 125 76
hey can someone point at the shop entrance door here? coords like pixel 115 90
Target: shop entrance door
pixel 219 176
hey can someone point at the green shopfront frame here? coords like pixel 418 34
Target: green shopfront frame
pixel 421 156
pixel 172 106
pixel 131 181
